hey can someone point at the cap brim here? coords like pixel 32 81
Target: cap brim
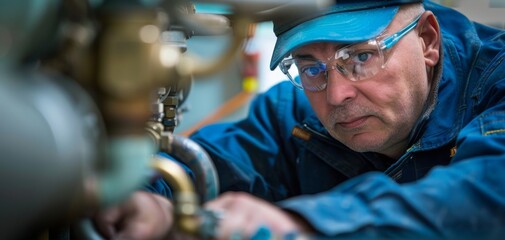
pixel 342 27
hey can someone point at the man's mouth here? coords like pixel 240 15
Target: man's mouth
pixel 353 123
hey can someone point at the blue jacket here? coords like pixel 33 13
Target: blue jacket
pixel 449 184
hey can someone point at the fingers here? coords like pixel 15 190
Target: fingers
pixel 143 216
pixel 106 221
pixel 150 217
pixel 224 201
pixel 244 215
pixel 241 214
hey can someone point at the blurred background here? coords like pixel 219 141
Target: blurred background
pixel 92 90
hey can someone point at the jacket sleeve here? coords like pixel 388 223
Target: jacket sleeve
pixel 256 154
pixel 464 200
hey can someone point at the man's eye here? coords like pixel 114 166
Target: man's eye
pixel 311 71
pixel 362 57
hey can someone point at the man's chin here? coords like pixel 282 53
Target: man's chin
pixel 364 142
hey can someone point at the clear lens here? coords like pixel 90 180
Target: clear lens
pixel 312 74
pixel 289 68
pixel 305 73
pixel 360 61
pixel 354 62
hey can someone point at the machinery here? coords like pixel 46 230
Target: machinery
pixel 90 91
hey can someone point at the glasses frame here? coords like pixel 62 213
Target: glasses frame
pixel 384 44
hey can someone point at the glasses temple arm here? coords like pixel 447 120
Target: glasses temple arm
pixel 393 39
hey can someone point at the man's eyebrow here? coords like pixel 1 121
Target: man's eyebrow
pixel 304 56
pixel 309 56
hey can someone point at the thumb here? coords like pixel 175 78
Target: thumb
pixel 106 221
pixel 149 217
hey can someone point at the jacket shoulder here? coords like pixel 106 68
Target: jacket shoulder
pixel 288 101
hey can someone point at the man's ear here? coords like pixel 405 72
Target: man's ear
pixel 429 31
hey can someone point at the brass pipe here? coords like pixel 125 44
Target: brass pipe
pixel 186 204
pixel 174 174
pixel 191 65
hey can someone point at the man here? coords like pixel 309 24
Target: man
pixel 399 132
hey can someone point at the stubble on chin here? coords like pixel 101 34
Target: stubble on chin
pixel 359 139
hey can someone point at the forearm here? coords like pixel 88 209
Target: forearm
pixel 460 201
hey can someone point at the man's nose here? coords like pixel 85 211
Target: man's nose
pixel 339 90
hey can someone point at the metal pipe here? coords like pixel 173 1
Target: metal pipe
pixel 174 174
pixel 195 157
pixel 186 204
pixel 191 65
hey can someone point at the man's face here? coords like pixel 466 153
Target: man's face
pixel 375 114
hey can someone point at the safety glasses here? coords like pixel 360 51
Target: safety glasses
pixel 355 62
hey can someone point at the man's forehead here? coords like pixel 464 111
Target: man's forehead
pixel 317 48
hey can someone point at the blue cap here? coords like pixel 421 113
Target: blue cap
pixel 347 21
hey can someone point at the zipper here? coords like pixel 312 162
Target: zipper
pixel 324 137
pixel 395 170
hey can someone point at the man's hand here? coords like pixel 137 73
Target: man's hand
pixel 244 214
pixel 143 216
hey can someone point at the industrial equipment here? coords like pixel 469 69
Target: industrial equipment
pixel 90 92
